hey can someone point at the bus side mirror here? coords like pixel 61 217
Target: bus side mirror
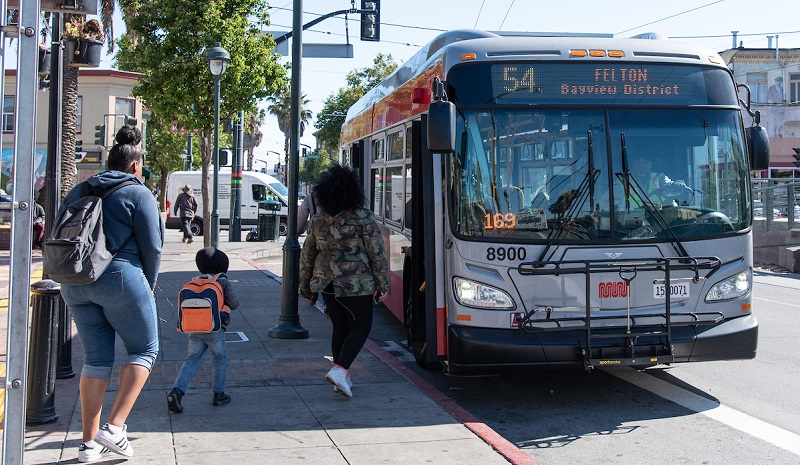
pixel 758 148
pixel 442 127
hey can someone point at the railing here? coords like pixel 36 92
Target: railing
pixel 780 197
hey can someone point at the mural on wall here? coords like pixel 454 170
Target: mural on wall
pixel 7 166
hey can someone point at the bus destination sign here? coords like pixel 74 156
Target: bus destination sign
pixel 600 83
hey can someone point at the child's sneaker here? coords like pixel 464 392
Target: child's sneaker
pixel 338 377
pixel 116 442
pixel 174 400
pixel 220 398
pixel 91 453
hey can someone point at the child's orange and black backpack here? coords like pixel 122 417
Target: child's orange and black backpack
pixel 199 305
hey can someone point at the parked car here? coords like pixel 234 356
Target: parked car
pixel 5 208
pixel 758 211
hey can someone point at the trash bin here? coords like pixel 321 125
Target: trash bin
pixel 268 221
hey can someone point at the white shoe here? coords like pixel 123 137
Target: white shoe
pixel 117 443
pixel 349 383
pixel 90 454
pixel 338 377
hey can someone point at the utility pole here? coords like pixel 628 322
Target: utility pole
pixel 235 229
pixel 289 321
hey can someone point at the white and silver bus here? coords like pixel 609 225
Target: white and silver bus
pixel 571 200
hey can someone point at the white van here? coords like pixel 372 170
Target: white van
pixel 255 188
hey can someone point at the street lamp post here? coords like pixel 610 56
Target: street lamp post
pixel 218 59
pixel 279 163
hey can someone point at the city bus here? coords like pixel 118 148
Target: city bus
pixel 563 200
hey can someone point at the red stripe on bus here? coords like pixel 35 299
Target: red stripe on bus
pixel 441 330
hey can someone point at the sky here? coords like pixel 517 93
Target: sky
pixel 407 25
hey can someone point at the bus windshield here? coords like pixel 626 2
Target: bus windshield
pixel 617 174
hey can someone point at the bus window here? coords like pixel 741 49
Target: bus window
pixel 393 206
pixel 396 146
pixel 378 149
pixel 377 191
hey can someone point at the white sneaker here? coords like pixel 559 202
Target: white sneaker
pixel 349 382
pixel 90 454
pixel 338 377
pixel 117 443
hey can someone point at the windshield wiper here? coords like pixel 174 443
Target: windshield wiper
pixel 572 202
pixel 629 181
pixel 591 172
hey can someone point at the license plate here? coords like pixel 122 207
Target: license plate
pixel 678 288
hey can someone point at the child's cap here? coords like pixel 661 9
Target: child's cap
pixel 211 261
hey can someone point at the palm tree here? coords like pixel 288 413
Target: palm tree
pixel 252 135
pixel 69 102
pixel 281 108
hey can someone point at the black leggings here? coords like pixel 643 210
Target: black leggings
pixel 352 322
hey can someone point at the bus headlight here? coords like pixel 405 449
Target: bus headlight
pixel 474 294
pixel 730 288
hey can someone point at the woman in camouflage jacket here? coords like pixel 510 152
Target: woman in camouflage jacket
pixel 344 258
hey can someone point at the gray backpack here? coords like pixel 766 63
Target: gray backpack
pixel 76 252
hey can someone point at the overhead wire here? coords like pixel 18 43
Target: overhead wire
pixel 671 16
pixel 479 14
pixel 506 16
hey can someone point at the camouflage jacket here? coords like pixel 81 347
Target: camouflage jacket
pixel 346 250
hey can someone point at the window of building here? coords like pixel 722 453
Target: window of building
pixel 8 113
pixel 757 82
pixel 794 87
pixel 126 106
pixel 79 127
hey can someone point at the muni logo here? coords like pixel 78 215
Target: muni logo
pixel 613 290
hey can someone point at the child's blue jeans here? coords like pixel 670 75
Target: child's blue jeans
pixel 198 343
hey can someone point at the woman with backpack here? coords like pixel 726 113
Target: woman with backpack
pixel 121 301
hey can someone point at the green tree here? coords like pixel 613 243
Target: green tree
pixel 312 167
pixel 173 37
pixel 164 152
pixel 359 82
pixel 281 107
pixel 252 134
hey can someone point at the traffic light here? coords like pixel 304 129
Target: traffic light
pixel 371 21
pixel 79 145
pixel 305 152
pixel 224 156
pixel 100 135
pixel 796 156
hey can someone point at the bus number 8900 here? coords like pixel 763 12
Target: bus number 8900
pixel 502 253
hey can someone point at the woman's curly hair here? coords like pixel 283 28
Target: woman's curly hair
pixel 338 190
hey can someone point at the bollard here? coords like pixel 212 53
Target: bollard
pixel 42 350
pixel 64 364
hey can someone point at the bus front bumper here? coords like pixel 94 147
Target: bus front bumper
pixel 482 349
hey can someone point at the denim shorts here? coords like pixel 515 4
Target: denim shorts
pixel 119 302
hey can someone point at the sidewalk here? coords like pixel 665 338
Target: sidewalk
pixel 282 411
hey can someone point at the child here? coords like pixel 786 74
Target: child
pixel 209 261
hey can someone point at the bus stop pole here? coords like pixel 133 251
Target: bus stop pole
pixel 289 321
pixel 19 302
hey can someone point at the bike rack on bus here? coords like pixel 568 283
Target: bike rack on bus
pixel 651 324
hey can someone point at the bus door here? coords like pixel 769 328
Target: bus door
pixel 425 325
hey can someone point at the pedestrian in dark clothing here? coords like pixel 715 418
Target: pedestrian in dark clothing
pixel 187 206
pixel 38 225
pixel 210 261
pixel 344 258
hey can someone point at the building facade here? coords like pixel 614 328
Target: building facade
pixel 773 77
pixel 104 99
